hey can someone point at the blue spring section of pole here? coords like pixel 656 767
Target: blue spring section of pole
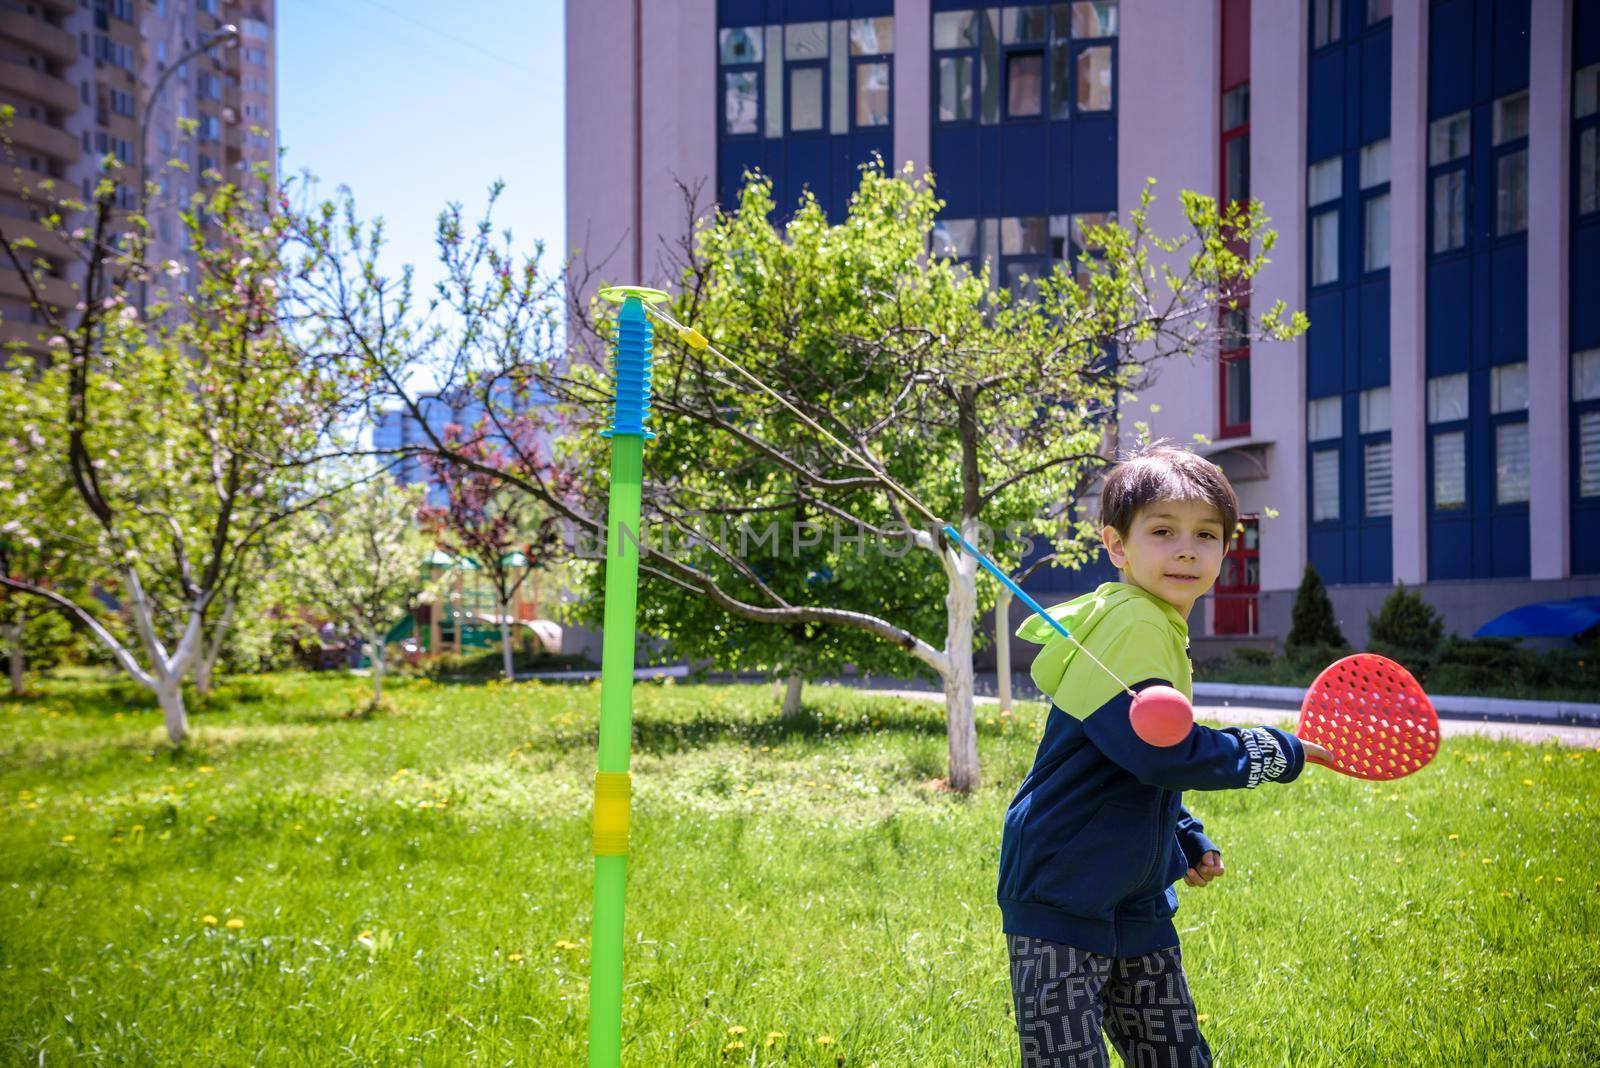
pixel 630 363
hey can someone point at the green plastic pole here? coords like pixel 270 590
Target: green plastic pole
pixel 612 804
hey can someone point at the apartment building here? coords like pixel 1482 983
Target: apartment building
pixel 1430 168
pixel 91 78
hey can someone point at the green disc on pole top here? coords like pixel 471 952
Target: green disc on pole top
pixel 622 293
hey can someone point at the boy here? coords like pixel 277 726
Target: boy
pixel 1097 832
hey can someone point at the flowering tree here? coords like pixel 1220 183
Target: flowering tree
pixel 179 436
pixel 505 533
pixel 362 563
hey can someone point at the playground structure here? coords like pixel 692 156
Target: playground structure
pixel 466 616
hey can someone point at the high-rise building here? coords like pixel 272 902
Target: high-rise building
pixel 82 79
pixel 1430 167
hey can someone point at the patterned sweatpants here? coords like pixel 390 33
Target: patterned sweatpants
pixel 1064 996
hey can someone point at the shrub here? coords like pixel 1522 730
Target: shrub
pixel 1407 629
pixel 488 665
pixel 1249 654
pixel 1313 626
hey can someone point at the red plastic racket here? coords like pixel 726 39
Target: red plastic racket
pixel 1371 714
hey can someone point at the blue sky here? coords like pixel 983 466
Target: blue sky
pixel 413 104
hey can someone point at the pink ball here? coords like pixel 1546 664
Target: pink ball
pixel 1161 716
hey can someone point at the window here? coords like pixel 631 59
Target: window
pixel 1325 248
pixel 1094 79
pixel 1508 388
pixel 1375 233
pixel 872 37
pixel 1589 170
pixel 1374 410
pixel 1024 84
pixel 955 238
pixel 955 29
pixel 740 102
pixel 1586 375
pixel 1024 25
pixel 1511 193
pixel 805 99
pixel 1511 117
pixel 1378 10
pixel 1324 22
pixel 1447 398
pixel 1450 470
pixel 1449 211
pixel 1511 463
pixel 1589 454
pixel 1323 181
pixel 955 88
pixel 1323 419
pixel 872 94
pixel 1325 486
pixel 1236 168
pixel 1586 91
pixel 740 45
pixel 1236 106
pixel 805 40
pixel 1375 164
pixel 1236 392
pixel 1025 236
pixel 1378 478
pixel 1449 138
pixel 1094 18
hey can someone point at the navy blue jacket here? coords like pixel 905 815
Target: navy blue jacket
pixel 1097 833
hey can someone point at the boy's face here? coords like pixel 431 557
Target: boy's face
pixel 1173 549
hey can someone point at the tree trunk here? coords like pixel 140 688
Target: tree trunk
pixel 205 664
pixel 791 697
pixel 505 641
pixel 14 652
pixel 170 695
pixel 202 674
pixel 961 605
pixel 377 666
pixel 1002 647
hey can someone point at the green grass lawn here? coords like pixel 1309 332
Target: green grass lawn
pixel 302 888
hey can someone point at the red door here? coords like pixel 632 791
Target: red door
pixel 1240 581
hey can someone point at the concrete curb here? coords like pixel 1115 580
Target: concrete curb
pixel 1570 713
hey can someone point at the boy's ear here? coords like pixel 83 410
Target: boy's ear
pixel 1114 549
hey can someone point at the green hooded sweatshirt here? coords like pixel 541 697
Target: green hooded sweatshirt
pixel 1133 632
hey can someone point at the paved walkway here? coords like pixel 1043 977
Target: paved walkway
pixel 1536 733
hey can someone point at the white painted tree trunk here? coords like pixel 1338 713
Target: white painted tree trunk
pixel 505 641
pixel 169 693
pixel 961 610
pixel 14 653
pixel 205 664
pixel 791 697
pixel 377 666
pixel 1002 647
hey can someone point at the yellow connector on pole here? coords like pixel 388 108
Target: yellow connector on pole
pixel 612 790
pixel 695 338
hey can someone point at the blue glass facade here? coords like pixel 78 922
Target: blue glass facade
pixel 1477 286
pixel 804 95
pixel 1583 252
pixel 1348 482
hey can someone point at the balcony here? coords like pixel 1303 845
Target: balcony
pixel 56 291
pixel 24 81
pixel 31 135
pixel 34 33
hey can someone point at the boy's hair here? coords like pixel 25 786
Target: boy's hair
pixel 1161 471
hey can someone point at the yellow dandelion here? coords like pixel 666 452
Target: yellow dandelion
pixel 1548 758
pixel 235 924
pixel 735 1044
pixel 206 769
pixel 562 943
pixel 772 1038
pixel 1538 879
pixel 211 819
pixel 1488 860
pixel 298 827
pixel 31 805
pixel 69 838
pixel 138 828
pixel 737 1029
pixel 513 957
pixel 824 1040
pixel 210 921
pixel 1527 782
pixel 1203 1017
pixel 1505 893
pixel 1453 837
pixel 1559 879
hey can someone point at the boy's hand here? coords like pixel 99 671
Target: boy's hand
pixel 1210 867
pixel 1315 754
